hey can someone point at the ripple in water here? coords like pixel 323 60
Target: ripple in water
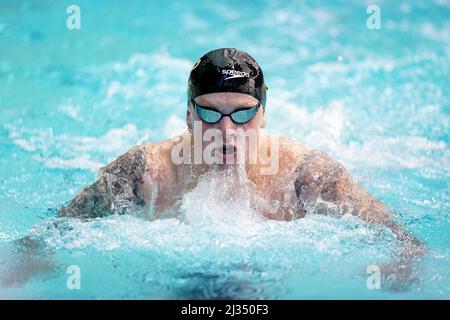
pixel 218 248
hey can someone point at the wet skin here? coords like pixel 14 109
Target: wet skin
pixel 146 177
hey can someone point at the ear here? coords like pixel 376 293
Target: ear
pixel 188 119
pixel 263 119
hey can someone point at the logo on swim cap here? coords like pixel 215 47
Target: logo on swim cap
pixel 227 70
pixel 234 74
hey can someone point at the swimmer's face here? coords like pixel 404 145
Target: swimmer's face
pixel 227 102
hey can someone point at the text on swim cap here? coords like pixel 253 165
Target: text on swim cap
pixel 235 73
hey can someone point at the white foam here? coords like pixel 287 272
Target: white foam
pixel 322 16
pixel 173 126
pixel 224 11
pixel 71 110
pixel 81 162
pixel 226 206
pixel 152 77
pixel 325 128
pixel 394 152
pixel 75 152
pixel 428 30
pixel 157 59
pixel 222 237
pixel 443 3
pixel 321 128
pixel 193 21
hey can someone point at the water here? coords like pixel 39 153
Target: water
pixel 71 101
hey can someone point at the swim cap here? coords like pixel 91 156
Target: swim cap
pixel 227 70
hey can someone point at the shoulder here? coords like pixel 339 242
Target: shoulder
pixel 159 165
pixel 319 166
pixel 290 151
pixel 316 160
pixel 139 160
pixel 292 147
pixel 129 164
pixel 317 173
pixel 161 150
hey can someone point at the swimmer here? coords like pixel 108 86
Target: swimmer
pixel 227 94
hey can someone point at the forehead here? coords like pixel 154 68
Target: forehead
pixel 231 99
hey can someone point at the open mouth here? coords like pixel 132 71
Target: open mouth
pixel 226 153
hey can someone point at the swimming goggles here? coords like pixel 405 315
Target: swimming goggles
pixel 211 115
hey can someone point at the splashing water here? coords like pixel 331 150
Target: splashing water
pixel 377 101
pixel 219 248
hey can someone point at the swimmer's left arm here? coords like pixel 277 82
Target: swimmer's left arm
pixel 321 175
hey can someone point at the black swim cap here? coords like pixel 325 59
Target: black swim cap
pixel 227 70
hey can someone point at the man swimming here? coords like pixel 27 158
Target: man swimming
pixel 227 101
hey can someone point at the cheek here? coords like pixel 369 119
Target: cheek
pixel 255 123
pixel 205 127
pixel 252 129
pixel 201 127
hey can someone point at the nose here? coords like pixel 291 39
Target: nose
pixel 225 123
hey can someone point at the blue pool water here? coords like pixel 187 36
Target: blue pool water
pixel 73 100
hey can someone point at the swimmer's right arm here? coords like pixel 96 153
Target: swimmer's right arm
pixel 115 191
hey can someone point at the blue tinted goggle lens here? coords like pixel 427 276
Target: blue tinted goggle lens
pixel 211 116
